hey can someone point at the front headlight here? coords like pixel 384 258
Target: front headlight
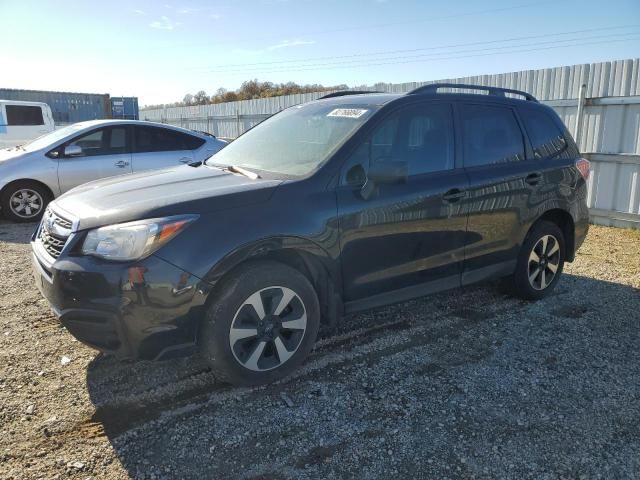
pixel 134 240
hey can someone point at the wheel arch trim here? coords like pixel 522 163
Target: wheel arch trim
pixel 302 254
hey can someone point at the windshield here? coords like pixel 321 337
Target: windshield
pixel 51 138
pixel 296 141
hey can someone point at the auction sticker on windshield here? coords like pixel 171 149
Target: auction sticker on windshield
pixel 347 112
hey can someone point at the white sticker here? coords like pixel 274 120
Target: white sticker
pixel 347 112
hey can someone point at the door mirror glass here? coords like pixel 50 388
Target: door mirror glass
pixel 72 151
pixel 388 172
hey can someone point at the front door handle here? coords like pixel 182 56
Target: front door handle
pixel 121 164
pixel 454 195
pixel 533 178
pixel 185 160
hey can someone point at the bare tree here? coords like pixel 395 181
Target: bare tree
pixel 201 98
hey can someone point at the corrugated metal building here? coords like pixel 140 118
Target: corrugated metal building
pixel 124 107
pixel 67 107
pixel 608 134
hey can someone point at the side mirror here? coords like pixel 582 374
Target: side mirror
pixel 388 172
pixel 383 173
pixel 72 151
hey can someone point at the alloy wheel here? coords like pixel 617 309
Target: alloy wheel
pixel 544 261
pixel 26 203
pixel 268 328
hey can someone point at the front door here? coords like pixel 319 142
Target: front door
pixel 104 153
pixel 406 237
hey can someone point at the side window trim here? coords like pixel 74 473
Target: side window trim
pixel 528 148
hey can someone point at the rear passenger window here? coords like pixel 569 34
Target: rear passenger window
pixel 491 135
pixel 191 142
pixel 547 139
pixel 24 115
pixel 156 139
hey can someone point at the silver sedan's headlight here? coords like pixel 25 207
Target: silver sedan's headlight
pixel 134 240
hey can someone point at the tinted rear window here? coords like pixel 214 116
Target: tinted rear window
pixel 24 115
pixel 156 139
pixel 547 139
pixel 491 135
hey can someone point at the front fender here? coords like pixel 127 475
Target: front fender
pixel 269 247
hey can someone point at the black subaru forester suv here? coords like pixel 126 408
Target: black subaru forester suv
pixel 335 206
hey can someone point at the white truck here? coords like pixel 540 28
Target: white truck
pixel 21 122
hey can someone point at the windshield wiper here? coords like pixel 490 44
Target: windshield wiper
pixel 235 169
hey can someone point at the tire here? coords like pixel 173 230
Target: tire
pixel 540 261
pixel 261 325
pixel 24 201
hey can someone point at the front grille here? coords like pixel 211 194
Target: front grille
pixel 63 222
pixel 54 232
pixel 52 244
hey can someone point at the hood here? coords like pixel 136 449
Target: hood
pixel 11 153
pixel 157 193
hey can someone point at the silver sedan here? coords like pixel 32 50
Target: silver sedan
pixel 33 174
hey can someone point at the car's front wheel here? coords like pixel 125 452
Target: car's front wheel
pixel 24 201
pixel 540 261
pixel 261 325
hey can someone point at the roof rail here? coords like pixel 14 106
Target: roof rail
pixel 345 93
pixel 496 91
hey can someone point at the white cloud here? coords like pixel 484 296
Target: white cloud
pixel 290 43
pixel 215 16
pixel 165 23
pixel 139 12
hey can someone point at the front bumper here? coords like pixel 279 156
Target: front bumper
pixel 148 309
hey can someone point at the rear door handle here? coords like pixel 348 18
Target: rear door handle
pixel 533 178
pixel 121 164
pixel 454 195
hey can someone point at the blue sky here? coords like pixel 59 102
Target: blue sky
pixel 158 51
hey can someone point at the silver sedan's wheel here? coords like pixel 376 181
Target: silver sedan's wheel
pixel 26 203
pixel 268 328
pixel 544 261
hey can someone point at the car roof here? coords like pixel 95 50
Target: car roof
pixel 116 121
pixel 22 102
pixel 380 99
pixel 377 99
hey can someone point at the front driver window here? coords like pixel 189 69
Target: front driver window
pixel 105 141
pixel 420 135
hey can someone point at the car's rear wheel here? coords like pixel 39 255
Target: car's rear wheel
pixel 24 201
pixel 261 325
pixel 540 262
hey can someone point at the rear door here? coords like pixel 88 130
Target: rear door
pixel 407 237
pixel 105 153
pixel 503 183
pixel 157 147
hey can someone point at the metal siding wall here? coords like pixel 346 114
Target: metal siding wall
pixel 67 107
pixel 614 186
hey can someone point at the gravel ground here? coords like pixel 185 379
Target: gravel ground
pixel 468 384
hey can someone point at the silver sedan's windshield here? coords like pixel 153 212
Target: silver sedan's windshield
pixel 51 138
pixel 296 141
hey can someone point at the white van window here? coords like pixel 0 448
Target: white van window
pixel 24 115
